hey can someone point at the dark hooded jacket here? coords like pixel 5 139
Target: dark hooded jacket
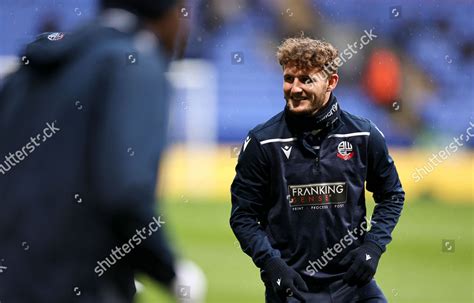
pixel 82 124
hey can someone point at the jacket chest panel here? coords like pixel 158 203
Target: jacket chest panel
pixel 333 158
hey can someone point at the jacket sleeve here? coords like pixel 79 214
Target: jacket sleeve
pixel 128 137
pixel 383 182
pixel 249 190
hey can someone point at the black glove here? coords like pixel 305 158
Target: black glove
pixel 364 260
pixel 286 282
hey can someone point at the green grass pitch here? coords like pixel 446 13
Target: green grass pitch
pixel 413 270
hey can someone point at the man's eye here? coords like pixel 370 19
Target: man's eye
pixel 288 79
pixel 306 80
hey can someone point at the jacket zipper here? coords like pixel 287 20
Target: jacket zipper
pixel 316 165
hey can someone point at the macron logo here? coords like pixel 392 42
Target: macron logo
pixel 287 150
pixel 247 140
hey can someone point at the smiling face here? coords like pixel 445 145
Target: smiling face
pixel 306 91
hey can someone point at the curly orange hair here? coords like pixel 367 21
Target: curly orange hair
pixel 306 53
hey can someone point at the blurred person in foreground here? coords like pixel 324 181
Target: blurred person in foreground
pixel 298 204
pixel 83 126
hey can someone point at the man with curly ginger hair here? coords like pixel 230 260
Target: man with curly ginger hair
pixel 298 197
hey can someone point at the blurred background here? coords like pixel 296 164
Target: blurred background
pixel 413 79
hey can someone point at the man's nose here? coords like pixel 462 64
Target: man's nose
pixel 296 87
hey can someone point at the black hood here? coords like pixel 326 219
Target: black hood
pixel 50 50
pixel 53 49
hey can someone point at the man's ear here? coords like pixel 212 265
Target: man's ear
pixel 332 82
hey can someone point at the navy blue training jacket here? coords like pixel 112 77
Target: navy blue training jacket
pixel 299 190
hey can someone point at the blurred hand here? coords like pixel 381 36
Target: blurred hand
pixel 190 283
pixel 364 260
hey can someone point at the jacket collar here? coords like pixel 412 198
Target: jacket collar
pixel 326 118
